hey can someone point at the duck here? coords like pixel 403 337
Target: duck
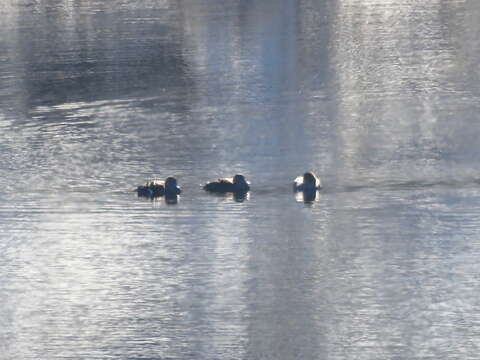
pixel 308 182
pixel 156 188
pixel 237 184
pixel 171 187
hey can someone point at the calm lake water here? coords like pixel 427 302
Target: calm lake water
pixel 380 97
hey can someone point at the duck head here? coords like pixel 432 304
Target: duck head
pixel 240 182
pixel 310 181
pixel 170 184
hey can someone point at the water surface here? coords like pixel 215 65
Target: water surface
pixel 380 98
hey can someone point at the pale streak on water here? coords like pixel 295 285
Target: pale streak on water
pixel 379 97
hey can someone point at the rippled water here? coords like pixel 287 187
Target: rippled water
pixel 379 97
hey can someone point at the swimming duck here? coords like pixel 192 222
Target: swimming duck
pixel 171 187
pixel 308 182
pixel 156 188
pixel 237 184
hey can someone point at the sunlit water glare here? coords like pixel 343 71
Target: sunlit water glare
pixel 380 98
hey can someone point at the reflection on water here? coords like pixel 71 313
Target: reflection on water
pixel 379 97
pixel 307 196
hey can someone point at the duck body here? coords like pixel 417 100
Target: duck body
pixel 156 188
pixel 307 182
pixel 171 187
pixel 237 184
pixel 151 189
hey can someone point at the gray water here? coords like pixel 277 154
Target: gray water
pixel 379 97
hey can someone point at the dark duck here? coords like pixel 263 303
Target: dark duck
pixel 308 182
pixel 237 184
pixel 156 188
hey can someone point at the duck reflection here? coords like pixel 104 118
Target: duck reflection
pixel 307 196
pixel 237 196
pixel 160 200
pixel 240 196
pixel 171 199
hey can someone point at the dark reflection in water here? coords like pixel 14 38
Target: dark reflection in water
pixel 236 196
pixel 66 53
pixel 381 98
pixel 168 199
pixel 171 199
pixel 307 196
